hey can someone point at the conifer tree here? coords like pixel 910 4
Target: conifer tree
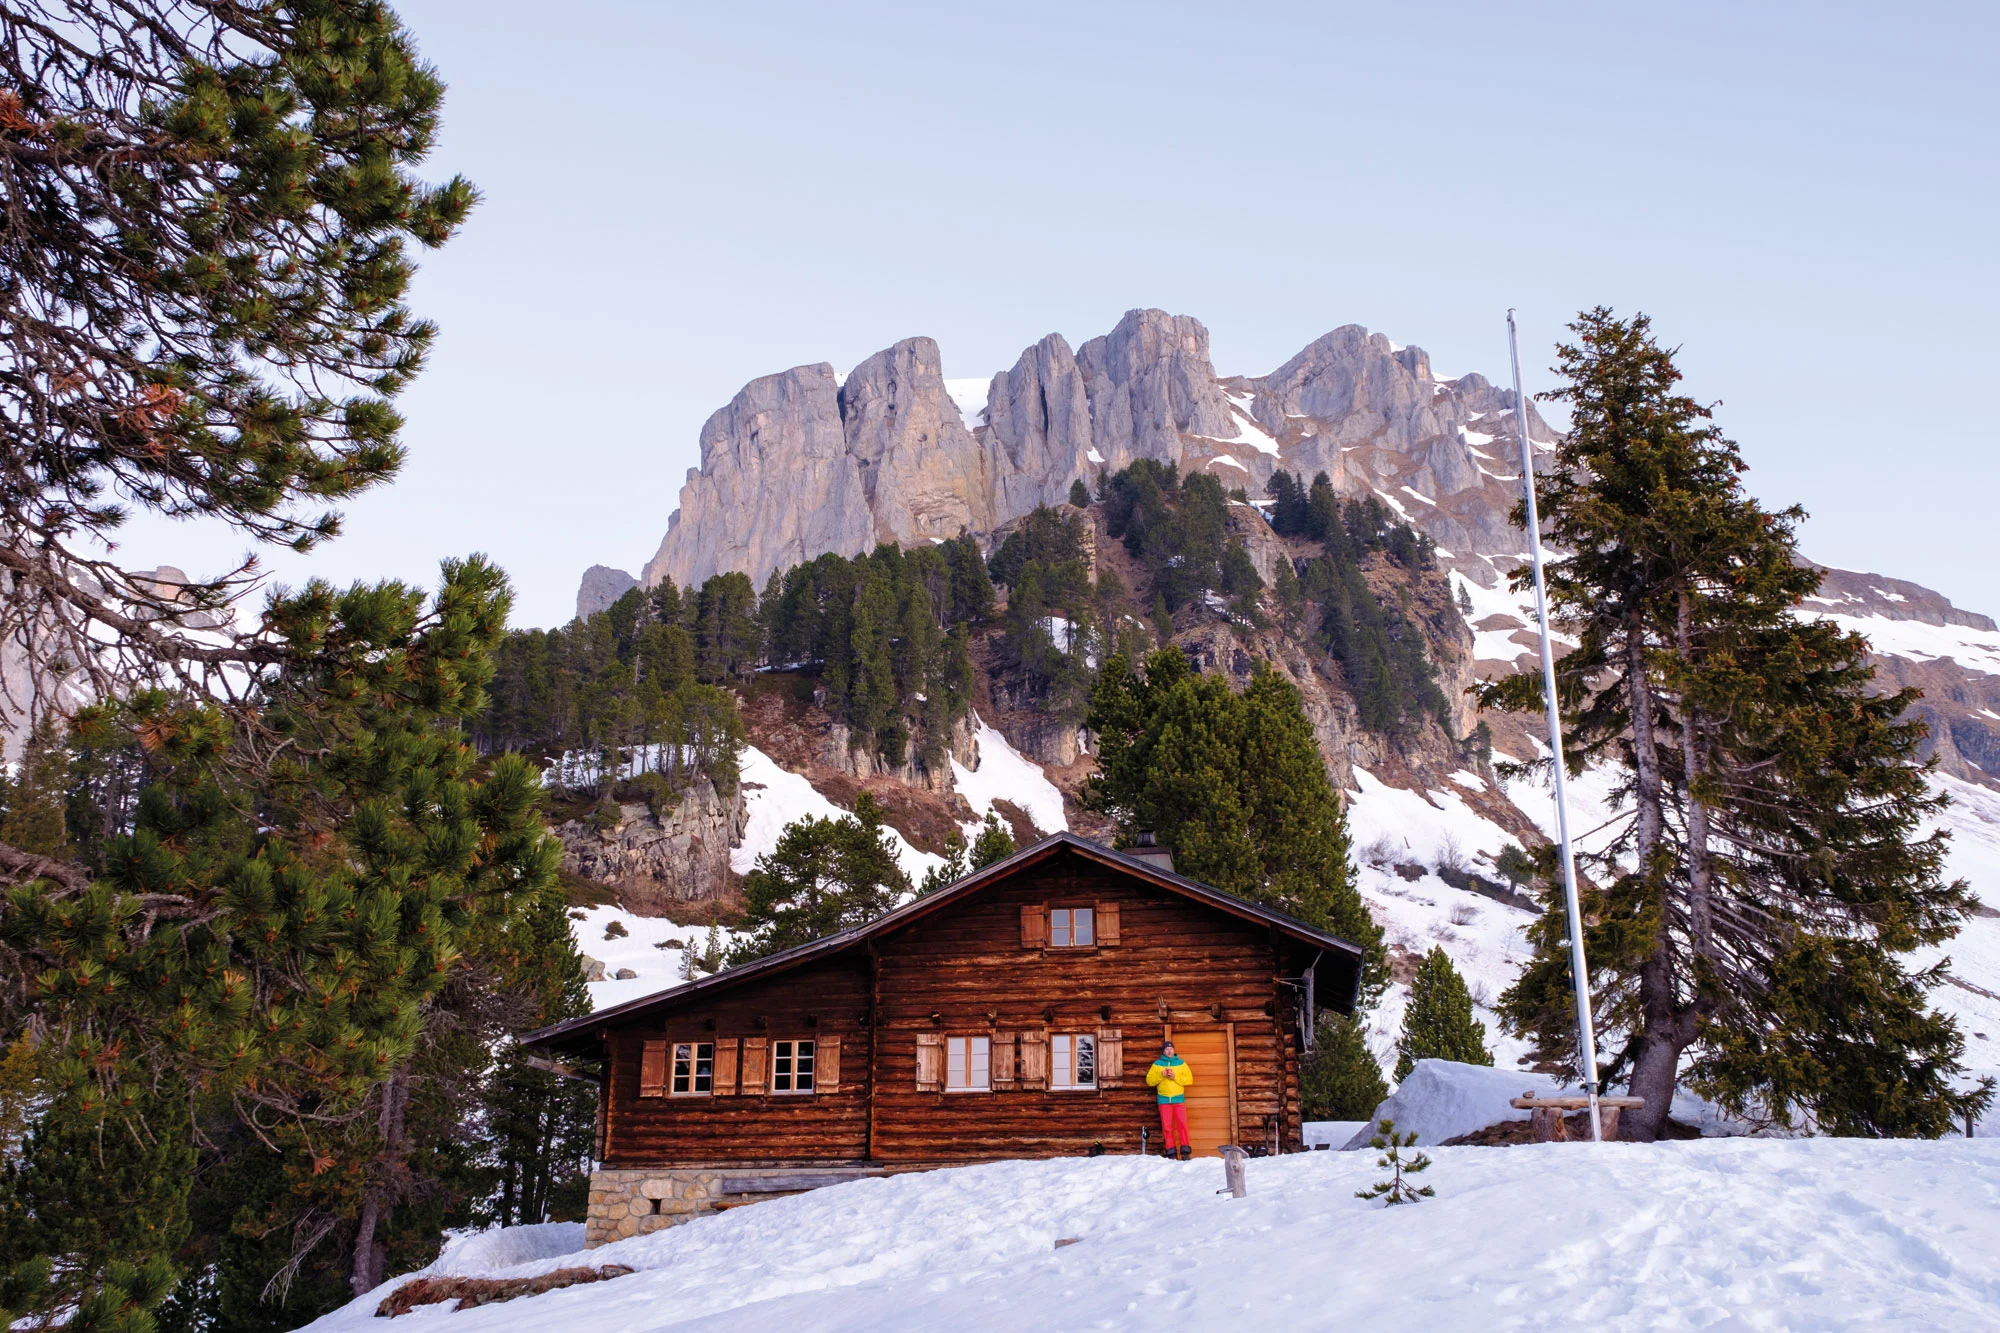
pixel 37 798
pixel 1236 785
pixel 1773 867
pixel 823 876
pixel 994 843
pixel 1439 1024
pixel 1340 1079
pixel 1079 494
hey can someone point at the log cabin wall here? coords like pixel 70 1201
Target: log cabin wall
pixel 968 967
pixel 816 1002
pixel 965 971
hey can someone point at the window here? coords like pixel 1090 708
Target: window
pixel 694 1068
pixel 792 1066
pixel 1072 1060
pixel 1071 928
pixel 967 1064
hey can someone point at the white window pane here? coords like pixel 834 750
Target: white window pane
pixel 981 1055
pixel 1086 1062
pixel 1059 1062
pixel 1059 927
pixel 955 1054
pixel 1082 930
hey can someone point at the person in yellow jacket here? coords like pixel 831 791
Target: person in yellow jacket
pixel 1170 1077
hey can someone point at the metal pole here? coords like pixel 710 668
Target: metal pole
pixel 1586 1030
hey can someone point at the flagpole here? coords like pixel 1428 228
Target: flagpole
pixel 1586 1030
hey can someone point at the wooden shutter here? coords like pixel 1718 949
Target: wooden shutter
pixel 826 1065
pixel 755 1066
pixel 930 1062
pixel 653 1069
pixel 1034 1059
pixel 725 1067
pixel 1107 923
pixel 1110 1056
pixel 1035 926
pixel 1001 1068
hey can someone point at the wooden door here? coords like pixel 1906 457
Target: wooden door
pixel 1211 1100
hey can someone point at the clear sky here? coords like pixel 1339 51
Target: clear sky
pixel 680 197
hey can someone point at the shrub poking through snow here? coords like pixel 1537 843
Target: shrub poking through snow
pixel 616 931
pixel 1439 1024
pixel 1396 1190
pixel 466 1292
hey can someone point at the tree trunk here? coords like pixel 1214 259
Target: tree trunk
pixel 1701 863
pixel 371 1255
pixel 1657 1068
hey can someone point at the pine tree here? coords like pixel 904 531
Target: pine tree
pixel 1340 1079
pixel 1774 867
pixel 1439 1024
pixel 1079 494
pixel 823 876
pixel 37 798
pixel 1236 785
pixel 994 843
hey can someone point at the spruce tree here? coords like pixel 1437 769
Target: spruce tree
pixel 1079 494
pixel 823 876
pixel 1340 1079
pixel 1773 870
pixel 1438 1025
pixel 1235 784
pixel 994 843
pixel 37 798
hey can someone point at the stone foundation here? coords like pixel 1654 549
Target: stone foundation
pixel 633 1203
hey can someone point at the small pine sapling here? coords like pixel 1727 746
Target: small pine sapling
pixel 1396 1190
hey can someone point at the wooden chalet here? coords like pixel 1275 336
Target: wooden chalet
pixel 1010 1015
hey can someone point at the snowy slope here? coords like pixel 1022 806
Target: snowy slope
pixel 776 797
pixel 638 950
pixel 1713 1234
pixel 1005 774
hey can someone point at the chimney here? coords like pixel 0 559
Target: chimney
pixel 1146 848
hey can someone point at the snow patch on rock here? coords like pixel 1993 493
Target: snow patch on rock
pixel 1005 774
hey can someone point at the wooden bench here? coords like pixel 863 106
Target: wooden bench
pixel 1548 1114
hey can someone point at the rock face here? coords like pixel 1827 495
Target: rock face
pixel 799 464
pixel 602 585
pixel 658 864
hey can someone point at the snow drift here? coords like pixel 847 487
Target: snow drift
pixel 1726 1233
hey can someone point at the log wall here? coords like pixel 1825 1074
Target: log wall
pixel 964 971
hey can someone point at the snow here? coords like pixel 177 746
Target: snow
pixel 1005 774
pixel 1250 433
pixel 1093 455
pixel 1499 645
pixel 1227 461
pixel 637 949
pixel 775 798
pixel 1973 649
pixel 1442 1099
pixel 1711 1234
pixel 476 1253
pixel 1420 496
pixel 970 396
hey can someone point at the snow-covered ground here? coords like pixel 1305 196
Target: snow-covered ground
pixel 1710 1234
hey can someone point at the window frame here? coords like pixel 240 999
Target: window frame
pixel 694 1074
pixel 968 1042
pixel 787 1050
pixel 1065 1068
pixel 1071 914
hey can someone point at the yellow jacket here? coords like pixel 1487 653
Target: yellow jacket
pixel 1170 1076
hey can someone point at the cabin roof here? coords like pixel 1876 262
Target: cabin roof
pixel 584 1029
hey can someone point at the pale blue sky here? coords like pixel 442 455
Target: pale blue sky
pixel 681 197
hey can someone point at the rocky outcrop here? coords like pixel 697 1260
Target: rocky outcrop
pixel 656 864
pixel 602 585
